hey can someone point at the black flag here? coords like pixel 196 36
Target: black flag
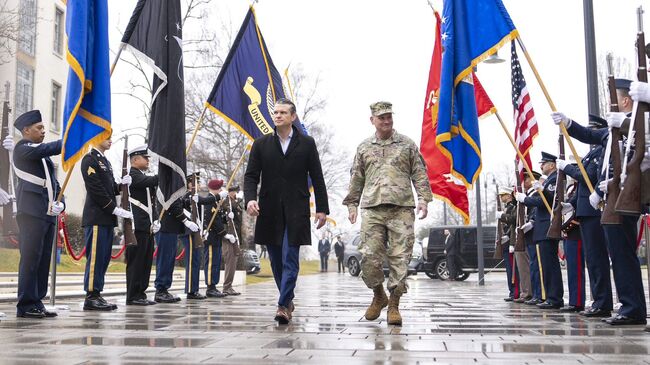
pixel 154 36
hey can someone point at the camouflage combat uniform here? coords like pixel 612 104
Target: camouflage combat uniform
pixel 383 171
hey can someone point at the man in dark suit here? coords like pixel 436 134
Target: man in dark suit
pixel 548 248
pixel 452 250
pixel 324 249
pixel 36 212
pixel 284 160
pixel 139 258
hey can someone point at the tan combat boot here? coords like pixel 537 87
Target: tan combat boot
pixel 394 318
pixel 379 301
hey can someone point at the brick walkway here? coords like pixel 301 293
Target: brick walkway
pixel 444 322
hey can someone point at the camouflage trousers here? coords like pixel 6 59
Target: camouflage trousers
pixel 386 235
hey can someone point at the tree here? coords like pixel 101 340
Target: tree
pixel 8 32
pixel 622 69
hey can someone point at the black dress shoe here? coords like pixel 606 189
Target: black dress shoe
pixel 571 308
pixel 595 313
pixel 140 302
pixel 32 313
pixel 150 302
pixel 533 301
pixel 112 305
pixel 95 304
pixel 548 305
pixel 621 320
pixel 165 297
pixel 48 314
pixel 214 293
pixel 196 296
pixel 508 299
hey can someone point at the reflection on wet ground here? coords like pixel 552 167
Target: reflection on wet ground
pixel 443 323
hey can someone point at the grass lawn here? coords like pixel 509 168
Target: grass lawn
pixel 9 263
pixel 306 268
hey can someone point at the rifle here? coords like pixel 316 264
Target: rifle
pixel 555 228
pixel 629 200
pixel 9 226
pixel 520 243
pixel 498 251
pixel 127 224
pixel 609 215
pixel 197 240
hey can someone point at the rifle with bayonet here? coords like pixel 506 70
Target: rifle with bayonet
pixel 609 215
pixel 9 225
pixel 498 248
pixel 127 223
pixel 197 240
pixel 520 243
pixel 629 200
pixel 555 228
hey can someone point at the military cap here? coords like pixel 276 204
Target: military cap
pixel 547 157
pixel 505 190
pixel 191 176
pixel 380 108
pixel 215 184
pixel 141 150
pixel 597 122
pixel 234 188
pixel 536 175
pixel 27 119
pixel 622 84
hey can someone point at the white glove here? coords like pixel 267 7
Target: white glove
pixel 240 194
pixel 615 119
pixel 537 185
pixel 520 197
pixel 639 91
pixel 505 238
pixel 645 164
pixel 511 249
pixel 8 143
pixel 223 194
pixel 191 225
pixel 205 234
pixel 559 117
pixel 231 215
pixel 57 208
pixel 499 214
pixel 230 238
pixel 126 180
pixel 594 199
pixel 527 227
pixel 5 198
pixel 566 208
pixel 195 198
pixel 155 226
pixel 122 213
pixel 602 186
pixel 560 164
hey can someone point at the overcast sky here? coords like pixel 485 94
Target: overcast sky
pixel 370 50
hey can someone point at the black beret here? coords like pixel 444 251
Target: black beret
pixel 622 84
pixel 27 119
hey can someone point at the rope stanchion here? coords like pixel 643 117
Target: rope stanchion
pixel 119 253
pixel 63 233
pixel 645 224
pixel 180 256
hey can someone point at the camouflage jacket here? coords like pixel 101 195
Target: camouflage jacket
pixel 383 171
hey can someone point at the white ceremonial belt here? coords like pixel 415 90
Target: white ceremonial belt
pixel 139 204
pixel 30 177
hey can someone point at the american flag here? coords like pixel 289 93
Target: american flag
pixel 525 123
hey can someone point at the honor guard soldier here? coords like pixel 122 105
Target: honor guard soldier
pixel 508 218
pixel 139 258
pixel 591 230
pixel 36 211
pixel 214 225
pixel 548 248
pixel 536 283
pixel 231 240
pixel 573 251
pixel 99 219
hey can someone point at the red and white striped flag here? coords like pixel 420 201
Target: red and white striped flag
pixel 524 115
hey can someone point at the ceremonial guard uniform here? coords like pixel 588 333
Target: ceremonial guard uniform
pixel 35 193
pixel 139 258
pixel 230 243
pixel 536 281
pixel 171 226
pixel 574 255
pixel 213 239
pixel 508 218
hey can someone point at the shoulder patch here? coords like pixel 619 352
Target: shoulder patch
pixel 90 171
pixel 551 187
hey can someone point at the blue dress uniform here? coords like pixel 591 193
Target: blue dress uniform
pixel 591 231
pixel 575 260
pixel 531 247
pixel 550 270
pixel 36 227
pixel 139 258
pixel 507 219
pixel 212 245
pixel 98 222
pixel 170 227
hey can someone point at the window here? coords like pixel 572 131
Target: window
pixel 58 31
pixel 24 88
pixel 56 109
pixel 27 27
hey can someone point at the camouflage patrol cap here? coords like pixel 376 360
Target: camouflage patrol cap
pixel 380 108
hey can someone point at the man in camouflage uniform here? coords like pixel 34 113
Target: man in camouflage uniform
pixel 384 167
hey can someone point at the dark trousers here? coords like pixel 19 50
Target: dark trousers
pixel 339 264
pixel 597 258
pixel 212 262
pixel 508 259
pixel 575 267
pixel 165 259
pixel 452 265
pixel 139 259
pixel 535 280
pixel 323 261
pixel 621 240
pixel 285 265
pixel 99 243
pixel 35 239
pixel 192 263
pixel 551 271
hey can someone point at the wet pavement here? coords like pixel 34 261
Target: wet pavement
pixel 444 322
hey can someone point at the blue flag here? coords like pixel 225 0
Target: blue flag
pixel 248 84
pixel 471 31
pixel 87 108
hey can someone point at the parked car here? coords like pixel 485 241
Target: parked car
pixel 435 262
pixel 251 261
pixel 352 257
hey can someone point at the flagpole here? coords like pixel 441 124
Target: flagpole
pixel 562 126
pixel 196 131
pixel 117 57
pixel 522 159
pixel 232 177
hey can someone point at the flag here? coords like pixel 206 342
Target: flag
pixel 87 107
pixel 524 115
pixel 248 84
pixel 154 35
pixel 471 31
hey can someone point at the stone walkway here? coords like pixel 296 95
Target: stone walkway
pixel 455 323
